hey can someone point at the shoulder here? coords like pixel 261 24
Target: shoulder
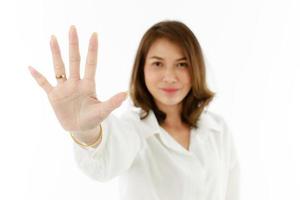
pixel 214 116
pixel 211 120
pixel 144 127
pixel 130 113
pixel 220 125
pixel 131 116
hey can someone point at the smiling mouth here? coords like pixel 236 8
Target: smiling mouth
pixel 169 90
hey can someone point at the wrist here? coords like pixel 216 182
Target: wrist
pixel 88 138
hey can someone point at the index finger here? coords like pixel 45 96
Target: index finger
pixel 91 59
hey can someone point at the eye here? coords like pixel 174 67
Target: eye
pixel 156 64
pixel 182 64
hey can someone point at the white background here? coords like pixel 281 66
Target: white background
pixel 252 50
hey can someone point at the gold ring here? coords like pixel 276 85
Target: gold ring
pixel 60 76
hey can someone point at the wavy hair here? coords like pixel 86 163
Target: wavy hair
pixel 197 98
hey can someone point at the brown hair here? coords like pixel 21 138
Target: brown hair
pixel 198 97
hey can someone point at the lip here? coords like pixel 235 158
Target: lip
pixel 170 90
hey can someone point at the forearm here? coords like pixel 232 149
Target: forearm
pixel 118 149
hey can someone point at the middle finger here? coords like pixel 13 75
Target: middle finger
pixel 74 55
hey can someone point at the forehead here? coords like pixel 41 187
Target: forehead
pixel 165 48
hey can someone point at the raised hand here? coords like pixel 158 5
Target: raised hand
pixel 74 100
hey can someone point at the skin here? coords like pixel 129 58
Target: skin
pixel 74 99
pixel 165 67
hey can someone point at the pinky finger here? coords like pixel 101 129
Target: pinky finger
pixel 40 79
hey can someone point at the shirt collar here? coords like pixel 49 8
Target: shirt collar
pixel 207 122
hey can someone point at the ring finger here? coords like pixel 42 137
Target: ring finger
pixel 59 67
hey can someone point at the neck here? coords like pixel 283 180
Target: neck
pixel 173 119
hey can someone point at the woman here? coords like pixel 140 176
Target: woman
pixel 165 145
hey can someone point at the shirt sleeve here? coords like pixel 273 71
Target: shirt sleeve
pixel 233 180
pixel 114 155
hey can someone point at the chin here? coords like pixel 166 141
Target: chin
pixel 169 101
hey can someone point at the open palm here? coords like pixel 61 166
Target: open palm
pixel 74 100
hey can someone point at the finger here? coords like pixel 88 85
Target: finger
pixel 41 80
pixel 91 59
pixel 111 104
pixel 74 55
pixel 59 67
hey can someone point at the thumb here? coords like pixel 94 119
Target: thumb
pixel 114 102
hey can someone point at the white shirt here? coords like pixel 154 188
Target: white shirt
pixel 152 165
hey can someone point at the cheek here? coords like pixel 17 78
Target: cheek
pixel 151 78
pixel 186 78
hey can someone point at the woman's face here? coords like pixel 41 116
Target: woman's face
pixel 167 74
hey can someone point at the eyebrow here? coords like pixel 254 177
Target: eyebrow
pixel 159 58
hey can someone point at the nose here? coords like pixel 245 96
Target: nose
pixel 169 76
